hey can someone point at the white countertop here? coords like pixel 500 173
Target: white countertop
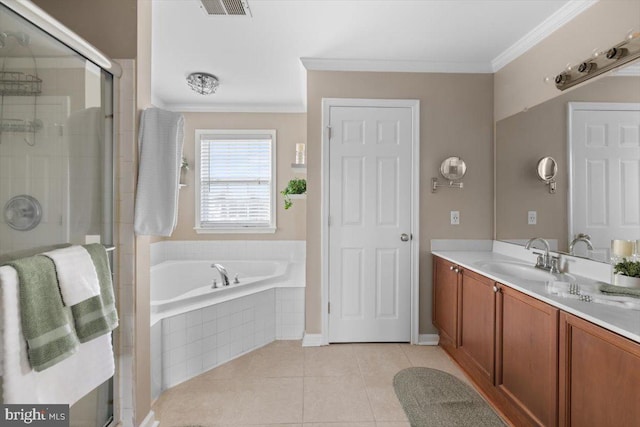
pixel 623 321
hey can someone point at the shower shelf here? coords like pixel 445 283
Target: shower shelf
pixel 19 125
pixel 17 83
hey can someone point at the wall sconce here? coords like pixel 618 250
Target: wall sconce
pixel 452 169
pixel 547 170
pixel 601 62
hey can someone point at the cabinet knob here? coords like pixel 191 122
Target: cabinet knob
pixel 496 289
pixel 456 270
pixel 451 268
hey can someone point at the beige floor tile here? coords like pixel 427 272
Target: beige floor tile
pixel 385 404
pixel 339 424
pixel 330 361
pixel 249 401
pixel 278 359
pixel 336 399
pixel 393 424
pixel 379 363
pixel 434 357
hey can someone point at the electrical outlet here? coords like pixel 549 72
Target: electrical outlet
pixel 532 218
pixel 455 217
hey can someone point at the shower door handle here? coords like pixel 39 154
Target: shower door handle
pixel 404 237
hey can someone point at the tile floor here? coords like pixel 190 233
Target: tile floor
pixel 286 384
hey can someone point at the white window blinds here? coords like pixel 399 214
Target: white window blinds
pixel 236 188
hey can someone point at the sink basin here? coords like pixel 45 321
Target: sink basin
pixel 517 270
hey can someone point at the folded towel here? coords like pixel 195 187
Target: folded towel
pixel 97 315
pixel 76 274
pixel 620 290
pixel 64 383
pixel 160 140
pixel 46 323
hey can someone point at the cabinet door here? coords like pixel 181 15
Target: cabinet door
pixel 445 300
pixel 527 355
pixel 477 323
pixel 599 376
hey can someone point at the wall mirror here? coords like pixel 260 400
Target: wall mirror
pixel 547 169
pixel 598 166
pixel 453 168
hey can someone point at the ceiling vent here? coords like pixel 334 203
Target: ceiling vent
pixel 226 7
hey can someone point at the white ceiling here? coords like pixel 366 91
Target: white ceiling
pixel 258 59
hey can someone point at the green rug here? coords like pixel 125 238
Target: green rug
pixel 432 398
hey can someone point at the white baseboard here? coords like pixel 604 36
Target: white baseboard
pixel 150 420
pixel 312 340
pixel 428 339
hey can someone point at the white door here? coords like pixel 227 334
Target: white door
pixel 605 156
pixel 370 224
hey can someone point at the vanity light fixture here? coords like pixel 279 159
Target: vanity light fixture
pixel 600 62
pixel 452 169
pixel 203 83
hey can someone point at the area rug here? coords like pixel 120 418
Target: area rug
pixel 432 398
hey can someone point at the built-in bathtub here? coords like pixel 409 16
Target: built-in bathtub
pixel 195 328
pixel 176 284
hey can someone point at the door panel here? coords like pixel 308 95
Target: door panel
pixel 605 159
pixel 370 168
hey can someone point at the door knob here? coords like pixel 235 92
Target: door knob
pixel 404 237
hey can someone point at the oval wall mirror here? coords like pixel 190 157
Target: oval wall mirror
pixel 547 169
pixel 453 168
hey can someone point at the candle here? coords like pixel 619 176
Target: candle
pixel 622 248
pixel 300 154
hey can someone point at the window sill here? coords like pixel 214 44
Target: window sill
pixel 236 230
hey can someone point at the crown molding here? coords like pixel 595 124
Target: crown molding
pixel 377 65
pixel 235 108
pixel 563 15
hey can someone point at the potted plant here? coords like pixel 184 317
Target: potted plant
pixel 627 273
pixel 295 186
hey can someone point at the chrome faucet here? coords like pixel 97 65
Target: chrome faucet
pixel 546 261
pixel 224 276
pixel 581 238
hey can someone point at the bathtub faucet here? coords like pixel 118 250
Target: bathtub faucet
pixel 224 276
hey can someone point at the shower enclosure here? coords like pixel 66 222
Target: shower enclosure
pixel 56 156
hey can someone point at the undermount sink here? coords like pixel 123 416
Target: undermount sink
pixel 519 270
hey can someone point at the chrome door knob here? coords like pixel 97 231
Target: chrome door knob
pixel 404 237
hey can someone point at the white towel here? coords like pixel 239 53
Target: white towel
pixel 64 383
pixel 160 141
pixel 77 275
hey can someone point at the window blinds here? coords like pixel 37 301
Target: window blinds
pixel 235 181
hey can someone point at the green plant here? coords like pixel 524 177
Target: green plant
pixel 295 186
pixel 627 268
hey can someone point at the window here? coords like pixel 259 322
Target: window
pixel 236 182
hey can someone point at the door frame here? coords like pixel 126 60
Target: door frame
pixel 573 107
pixel 414 105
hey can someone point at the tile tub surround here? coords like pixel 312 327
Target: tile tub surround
pixel 625 322
pixel 191 340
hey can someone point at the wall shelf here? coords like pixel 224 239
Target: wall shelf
pixel 299 168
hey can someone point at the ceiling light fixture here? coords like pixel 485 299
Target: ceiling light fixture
pixel 203 83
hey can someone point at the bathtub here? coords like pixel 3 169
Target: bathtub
pixel 176 285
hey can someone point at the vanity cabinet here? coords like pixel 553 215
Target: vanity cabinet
pixel 445 300
pixel 527 354
pixel 599 376
pixel 476 336
pixel 537 365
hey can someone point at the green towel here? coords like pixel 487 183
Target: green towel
pixel 620 290
pixel 97 315
pixel 46 323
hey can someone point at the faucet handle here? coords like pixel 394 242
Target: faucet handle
pixel 554 265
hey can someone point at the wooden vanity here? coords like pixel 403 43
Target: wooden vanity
pixel 536 363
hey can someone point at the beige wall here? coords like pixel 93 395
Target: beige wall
pixel 290 129
pixel 520 85
pixel 142 343
pixel 524 138
pixel 108 25
pixel 456 119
